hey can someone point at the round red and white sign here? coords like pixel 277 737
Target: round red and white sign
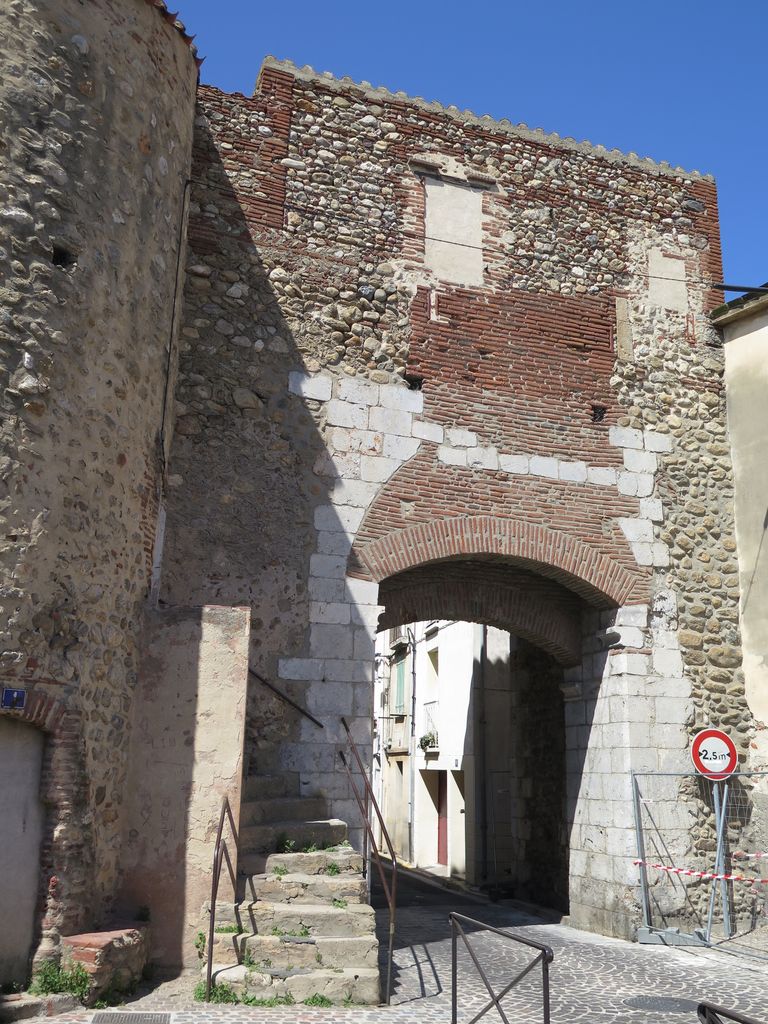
pixel 713 753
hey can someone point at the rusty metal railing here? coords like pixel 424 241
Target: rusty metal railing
pixel 544 957
pixel 284 697
pixel 390 888
pixel 710 1013
pixel 220 855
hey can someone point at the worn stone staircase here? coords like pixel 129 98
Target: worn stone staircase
pixel 303 925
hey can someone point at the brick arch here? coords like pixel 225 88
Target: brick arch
pixel 65 879
pixel 579 566
pixel 534 608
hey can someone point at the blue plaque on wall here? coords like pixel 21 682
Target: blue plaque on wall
pixel 14 699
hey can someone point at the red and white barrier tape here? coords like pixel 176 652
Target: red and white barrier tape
pixel 741 855
pixel 708 875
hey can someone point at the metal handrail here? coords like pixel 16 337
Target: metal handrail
pixel 390 890
pixel 710 1013
pixel 545 958
pixel 286 698
pixel 220 854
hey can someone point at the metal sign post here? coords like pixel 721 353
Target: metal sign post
pixel 721 825
pixel 714 756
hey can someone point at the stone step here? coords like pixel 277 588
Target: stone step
pixel 301 888
pixel 288 952
pixel 267 787
pixel 22 1006
pixel 311 920
pixel 346 860
pixel 292 836
pixel 356 985
pixel 284 808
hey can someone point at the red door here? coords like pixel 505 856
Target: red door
pixel 442 818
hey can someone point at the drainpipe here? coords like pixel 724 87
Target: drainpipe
pixel 412 749
pixel 482 759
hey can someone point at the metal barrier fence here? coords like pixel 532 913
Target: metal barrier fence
pixel 544 956
pixel 702 854
pixel 710 1013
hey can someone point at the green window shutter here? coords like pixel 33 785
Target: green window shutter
pixel 400 686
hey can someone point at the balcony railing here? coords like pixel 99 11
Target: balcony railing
pixel 430 735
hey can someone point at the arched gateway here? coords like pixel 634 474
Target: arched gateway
pixel 435 365
pixel 424 363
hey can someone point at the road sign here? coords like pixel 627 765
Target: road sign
pixel 714 754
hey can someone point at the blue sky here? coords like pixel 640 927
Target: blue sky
pixel 680 80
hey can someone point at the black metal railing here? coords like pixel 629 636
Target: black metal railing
pixel 284 697
pixel 364 802
pixel 220 855
pixel 545 956
pixel 710 1013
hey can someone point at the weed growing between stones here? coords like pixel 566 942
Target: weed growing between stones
pixel 340 904
pixel 318 1000
pixel 285 845
pixel 219 993
pixel 227 929
pixel 52 979
pixel 224 993
pixel 280 870
pixel 332 868
pixel 200 945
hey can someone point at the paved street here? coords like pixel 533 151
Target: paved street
pixel 593 979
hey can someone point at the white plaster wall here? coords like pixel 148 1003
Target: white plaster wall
pixel 746 379
pixel 21 825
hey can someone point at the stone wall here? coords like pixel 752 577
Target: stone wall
pixel 186 757
pixel 96 104
pixel 358 400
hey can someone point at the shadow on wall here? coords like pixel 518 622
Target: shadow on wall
pixel 248 468
pixel 249 465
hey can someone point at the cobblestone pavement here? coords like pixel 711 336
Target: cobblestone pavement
pixel 593 980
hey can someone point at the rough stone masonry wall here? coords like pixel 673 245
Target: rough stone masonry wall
pixel 96 103
pixel 570 415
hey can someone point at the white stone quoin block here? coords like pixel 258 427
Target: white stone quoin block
pixel 452 456
pixel 391 421
pixel 604 476
pixel 575 472
pixel 637 529
pixel 357 391
pixel 347 414
pixel 377 469
pixel 462 438
pixel 640 462
pixel 541 465
pixel 625 437
pixel 483 458
pixel 428 431
pixel 395 396
pixel 317 386
pixel 400 448
pixel 514 463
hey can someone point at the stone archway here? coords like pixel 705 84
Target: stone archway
pixel 490 591
pixel 595 575
pixel 538 750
